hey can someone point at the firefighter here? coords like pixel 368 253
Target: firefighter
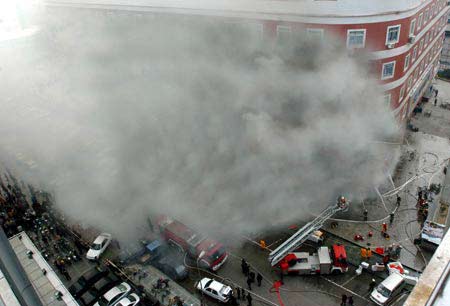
pixel 391 218
pixel 372 285
pixel 245 267
pixel 249 283
pixel 398 200
pixel 344 300
pixel 259 279
pixel 384 227
pixel 249 299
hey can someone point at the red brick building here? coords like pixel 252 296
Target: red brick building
pixel 403 37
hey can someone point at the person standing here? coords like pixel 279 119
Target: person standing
pixel 249 283
pixel 259 279
pixel 372 285
pixel 344 300
pixel 365 214
pixel 391 218
pixel 249 299
pixel 238 291
pixel 350 301
pixel 244 267
pixel 435 101
pixel 398 200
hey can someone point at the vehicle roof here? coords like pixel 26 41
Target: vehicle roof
pixel 339 251
pixel 216 285
pixel 100 238
pixel 392 281
pixel 113 292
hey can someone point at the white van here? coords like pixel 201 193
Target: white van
pixel 384 292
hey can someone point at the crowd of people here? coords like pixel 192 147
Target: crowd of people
pixel 16 211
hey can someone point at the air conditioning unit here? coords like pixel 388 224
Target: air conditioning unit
pixel 390 46
pixel 412 39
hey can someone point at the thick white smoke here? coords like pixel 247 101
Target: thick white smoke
pixel 125 116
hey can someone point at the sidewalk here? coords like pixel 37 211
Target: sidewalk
pixel 151 275
pixel 420 164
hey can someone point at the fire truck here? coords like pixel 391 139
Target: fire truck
pixel 322 262
pixel 207 252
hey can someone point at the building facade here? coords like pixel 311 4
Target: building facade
pixel 404 38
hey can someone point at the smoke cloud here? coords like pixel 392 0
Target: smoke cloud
pixel 125 116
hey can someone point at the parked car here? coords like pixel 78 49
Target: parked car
pixel 105 283
pixel 131 300
pixel 98 246
pixel 215 289
pixel 172 267
pixel 114 295
pixel 86 281
pixel 87 299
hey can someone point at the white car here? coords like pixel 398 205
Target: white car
pixel 98 246
pixel 114 295
pixel 215 289
pixel 131 300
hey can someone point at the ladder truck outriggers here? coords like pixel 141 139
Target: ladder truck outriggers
pixel 322 262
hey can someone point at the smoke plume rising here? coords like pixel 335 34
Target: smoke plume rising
pixel 125 116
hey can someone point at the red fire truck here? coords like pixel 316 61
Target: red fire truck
pixel 208 252
pixel 322 262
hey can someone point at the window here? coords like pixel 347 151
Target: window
pixel 432 11
pixel 283 34
pixel 427 37
pixel 419 22
pixel 402 92
pixel 414 53
pixel 315 34
pixel 421 46
pixel 412 27
pixel 387 100
pixel 416 74
pixel 388 70
pixel 425 19
pixel 356 38
pixel 393 34
pixel 409 83
pixel 406 65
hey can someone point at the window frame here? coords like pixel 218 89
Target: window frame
pixel 364 38
pixel 285 30
pixel 383 77
pixel 409 82
pixel 407 61
pixel 402 92
pixel 315 30
pixel 414 54
pixel 412 27
pixel 420 21
pixel 399 26
pixel 421 46
pixel 388 99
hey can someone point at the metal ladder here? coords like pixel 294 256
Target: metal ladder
pixel 302 234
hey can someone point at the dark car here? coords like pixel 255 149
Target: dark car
pixel 105 283
pixel 87 299
pixel 90 277
pixel 172 267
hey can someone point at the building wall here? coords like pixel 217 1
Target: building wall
pixel 403 89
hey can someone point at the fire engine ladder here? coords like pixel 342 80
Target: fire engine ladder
pixel 302 234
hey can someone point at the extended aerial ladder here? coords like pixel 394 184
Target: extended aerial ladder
pixel 302 234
